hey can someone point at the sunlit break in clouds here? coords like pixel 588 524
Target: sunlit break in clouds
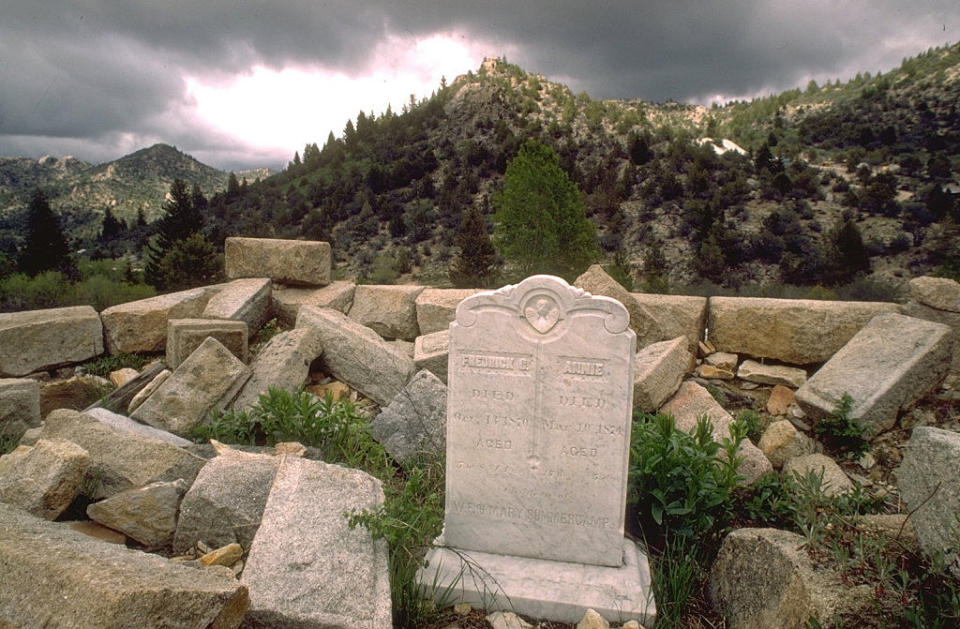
pixel 278 111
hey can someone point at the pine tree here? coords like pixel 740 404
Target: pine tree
pixel 541 222
pixel 46 248
pixel 475 265
pixel 181 219
pixel 110 228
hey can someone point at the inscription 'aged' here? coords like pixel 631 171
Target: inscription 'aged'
pixel 540 391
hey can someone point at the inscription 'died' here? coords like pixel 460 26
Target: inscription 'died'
pixel 540 381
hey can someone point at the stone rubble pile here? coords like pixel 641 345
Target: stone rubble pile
pixel 281 550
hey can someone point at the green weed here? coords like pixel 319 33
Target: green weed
pixel 841 434
pixel 103 365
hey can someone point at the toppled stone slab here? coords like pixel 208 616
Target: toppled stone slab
pixel 752 371
pixel 782 442
pixel 952 319
pixel 141 326
pixel 93 584
pixel 835 481
pixel 358 356
pixel 658 371
pixel 941 293
pixel 304 262
pixel 184 336
pixel 431 352
pixel 642 320
pixel 690 402
pixel 120 459
pixel 246 300
pixel 796 331
pixel 206 381
pixel 928 483
pixel 40 339
pixel 437 307
pixel 415 422
pixel 714 373
pixel 225 503
pixel 763 578
pixel 124 423
pixel 390 311
pixel 288 299
pixel 284 363
pixel 676 315
pixel 335 576
pixel 19 405
pixel 891 363
pixel 147 514
pixel 43 479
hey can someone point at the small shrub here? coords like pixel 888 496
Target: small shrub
pixel 753 424
pixel 103 365
pixel 8 442
pixel 682 482
pixel 841 434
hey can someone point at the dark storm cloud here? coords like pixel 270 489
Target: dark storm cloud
pixel 95 74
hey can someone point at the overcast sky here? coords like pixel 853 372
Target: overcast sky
pixel 245 83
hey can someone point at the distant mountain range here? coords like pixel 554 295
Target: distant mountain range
pixel 133 183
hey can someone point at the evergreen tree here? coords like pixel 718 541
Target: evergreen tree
pixel 46 248
pixel 233 186
pixel 110 228
pixel 181 219
pixel 847 254
pixel 541 222
pixel 475 265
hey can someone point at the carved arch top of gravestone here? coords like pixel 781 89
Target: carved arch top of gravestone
pixel 538 423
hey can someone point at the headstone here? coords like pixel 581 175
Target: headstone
pixel 540 399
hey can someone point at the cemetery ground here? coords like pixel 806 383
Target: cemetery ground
pixel 829 533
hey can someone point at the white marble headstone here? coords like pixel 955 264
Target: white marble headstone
pixel 538 423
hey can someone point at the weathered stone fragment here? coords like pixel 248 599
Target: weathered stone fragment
pixel 93 584
pixel 19 405
pixel 642 320
pixel 141 326
pixel 225 503
pixel 764 578
pixel 780 400
pixel 437 307
pixel 714 373
pixel 184 336
pixel 284 363
pixel 415 422
pixel 752 371
pixel 941 293
pixel 335 576
pixel 390 311
pixel 119 459
pixel 658 372
pixel 141 396
pixel 120 397
pixel 288 299
pixel 98 531
pixel 120 377
pixel 246 300
pixel 929 483
pixel 781 442
pixel 42 479
pixel 835 481
pixel 305 262
pixel 223 556
pixel 676 315
pixel 124 423
pixel 206 381
pixel 690 402
pixel 431 352
pixel 38 339
pixel 147 514
pixel 76 392
pixel 797 331
pixel 722 360
pixel 891 363
pixel 358 356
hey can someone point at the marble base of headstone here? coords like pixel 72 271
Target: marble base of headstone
pixel 548 590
